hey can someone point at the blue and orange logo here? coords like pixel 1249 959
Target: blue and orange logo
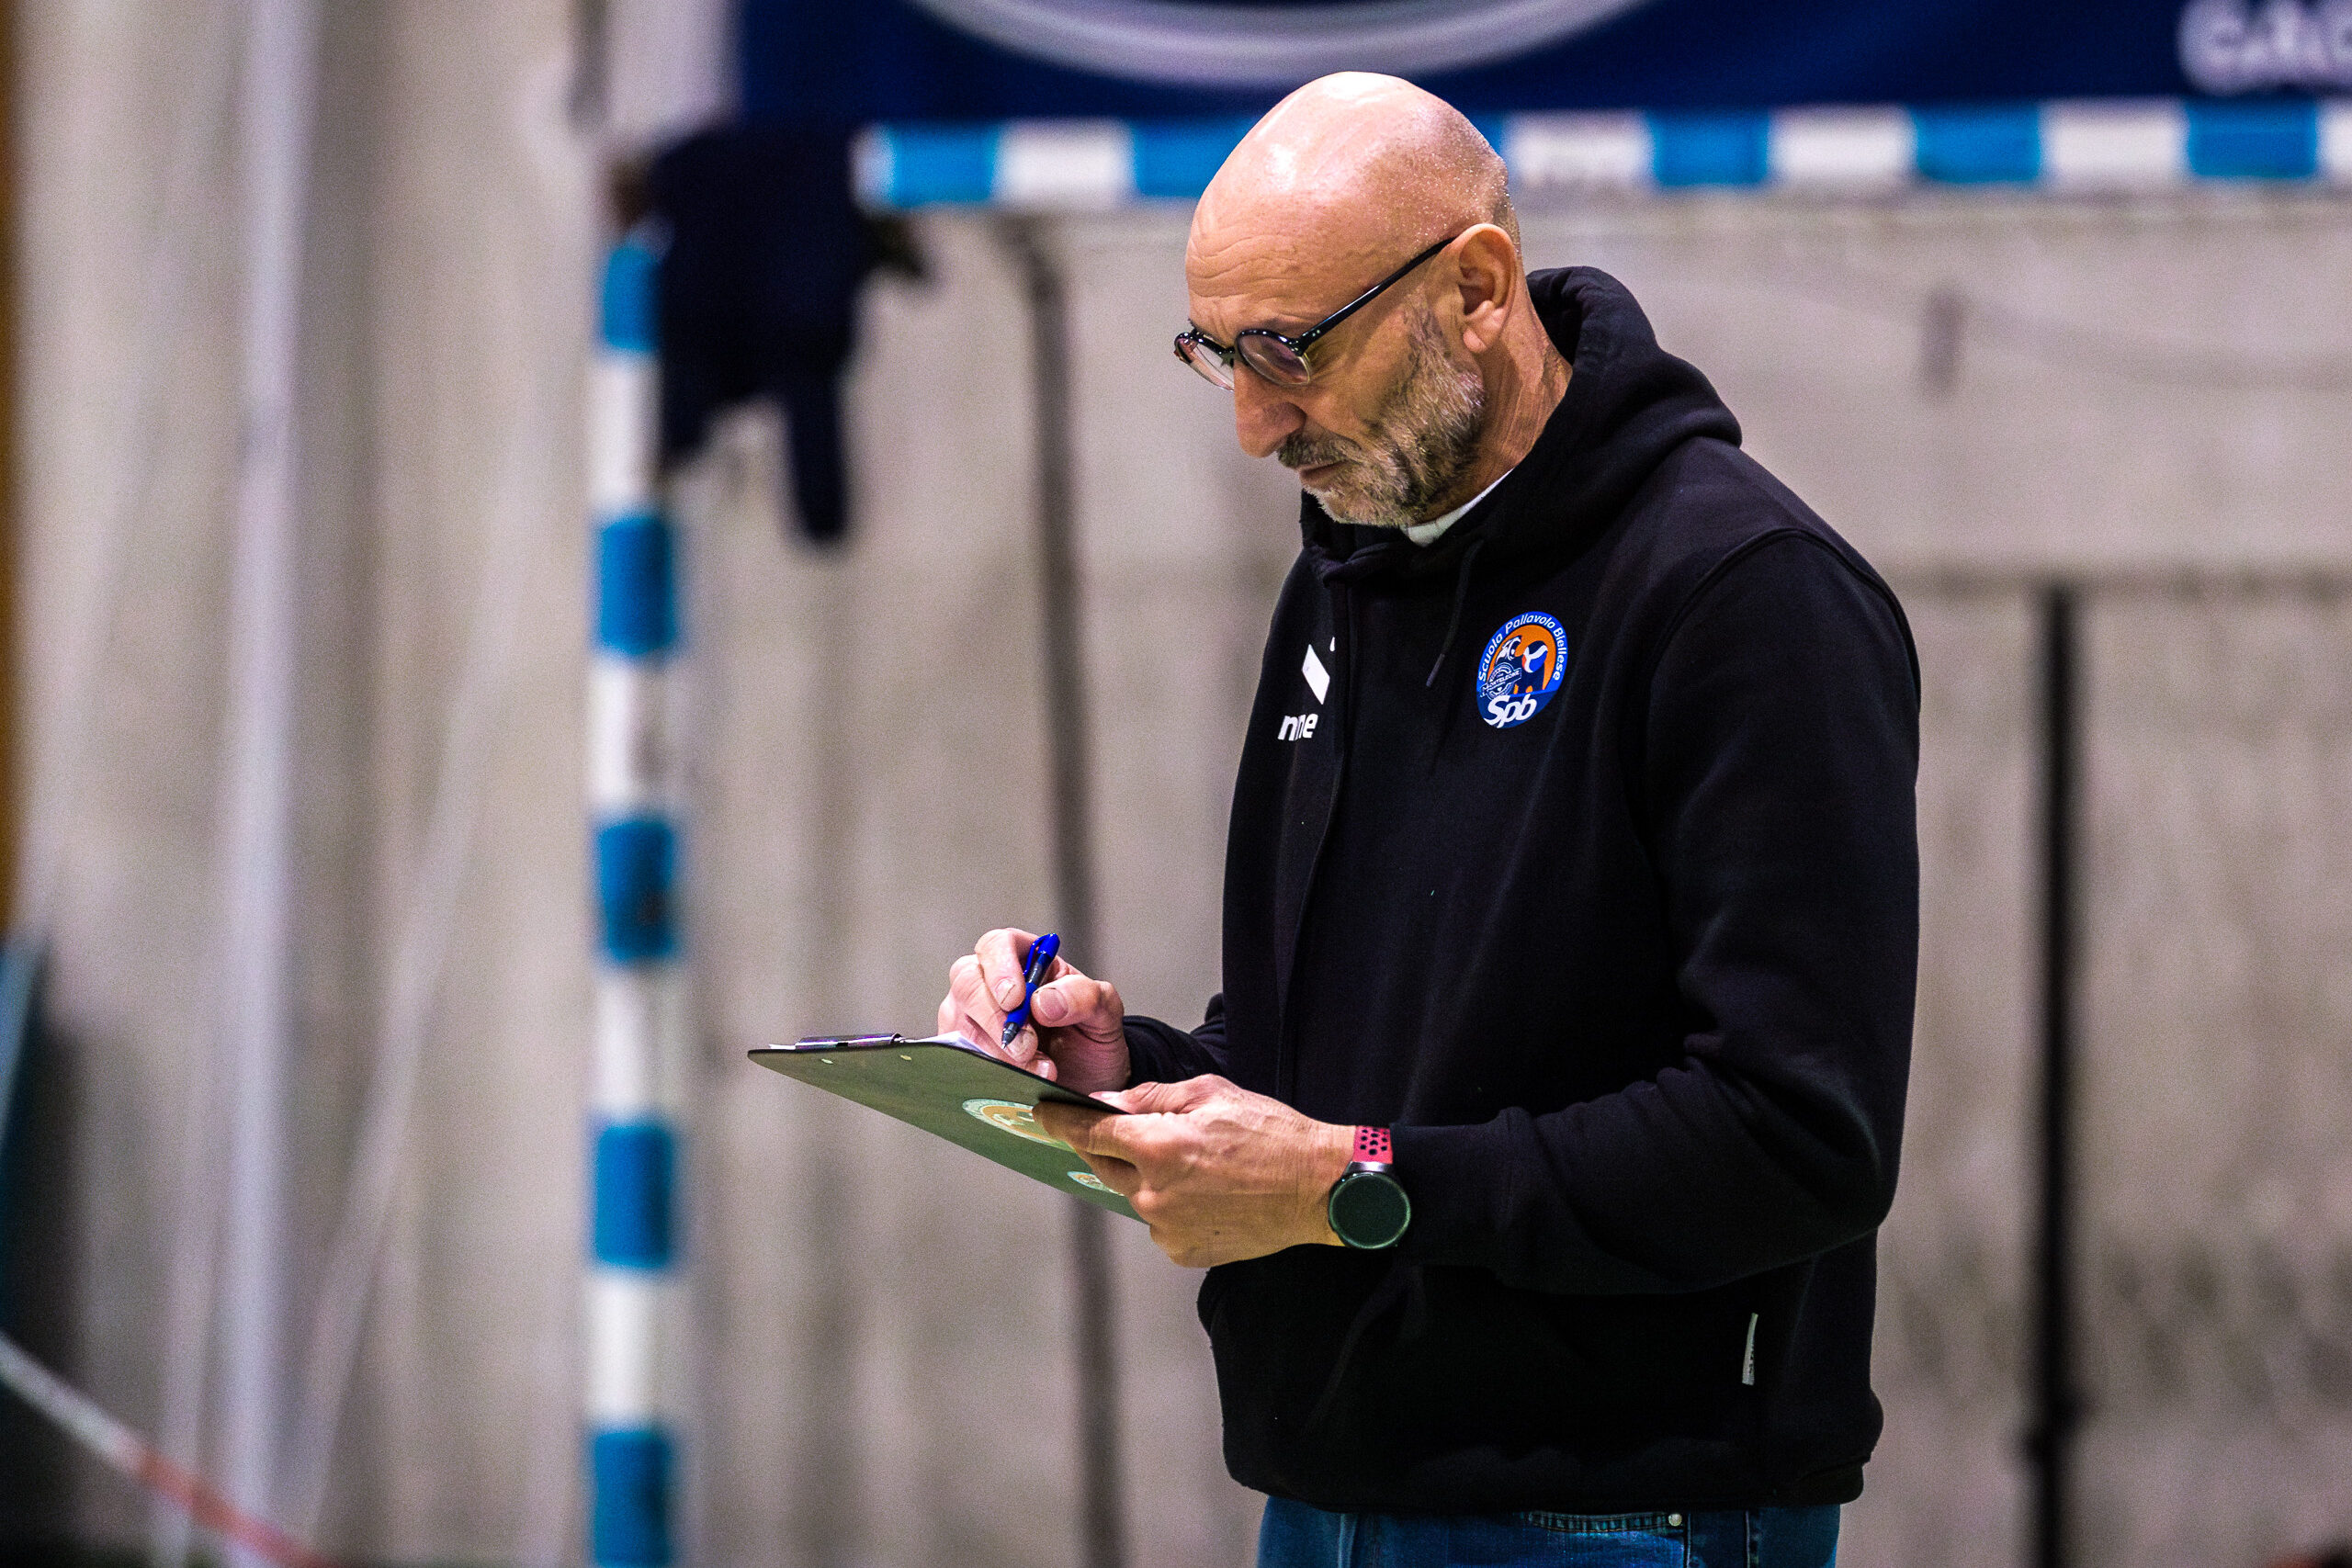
pixel 1523 665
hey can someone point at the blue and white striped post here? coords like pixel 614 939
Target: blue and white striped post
pixel 634 1300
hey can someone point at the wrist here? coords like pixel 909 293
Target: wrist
pixel 1332 1147
pixel 1121 1066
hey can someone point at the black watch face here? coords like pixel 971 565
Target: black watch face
pixel 1369 1209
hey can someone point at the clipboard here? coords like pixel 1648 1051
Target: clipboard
pixel 953 1089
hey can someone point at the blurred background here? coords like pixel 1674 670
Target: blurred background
pixel 551 543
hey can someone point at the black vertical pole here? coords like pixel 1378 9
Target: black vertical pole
pixel 1103 1523
pixel 2057 1404
pixel 591 33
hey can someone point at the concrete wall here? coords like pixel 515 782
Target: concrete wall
pixel 446 312
pixel 879 1355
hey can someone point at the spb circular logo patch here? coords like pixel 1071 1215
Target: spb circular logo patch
pixel 1522 666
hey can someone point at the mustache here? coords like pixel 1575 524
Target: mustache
pixel 1301 451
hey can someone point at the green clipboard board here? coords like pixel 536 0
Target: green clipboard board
pixel 951 1088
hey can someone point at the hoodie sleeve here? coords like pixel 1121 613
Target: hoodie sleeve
pixel 1161 1053
pixel 1779 754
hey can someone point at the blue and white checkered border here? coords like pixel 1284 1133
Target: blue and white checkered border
pixel 2093 145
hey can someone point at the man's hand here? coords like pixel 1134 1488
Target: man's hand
pixel 1219 1174
pixel 1076 1035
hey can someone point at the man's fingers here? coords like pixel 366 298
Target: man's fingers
pixel 1052 1006
pixel 1127 1138
pixel 1115 1174
pixel 1071 1001
pixel 1021 1051
pixel 1172 1099
pixel 976 1018
pixel 966 1010
pixel 1077 1127
pixel 1002 956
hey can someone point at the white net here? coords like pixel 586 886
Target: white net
pixel 1949 1363
pixel 2216 1298
pixel 2214 1272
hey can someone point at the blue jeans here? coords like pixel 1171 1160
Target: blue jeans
pixel 1295 1536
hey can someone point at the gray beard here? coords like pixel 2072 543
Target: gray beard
pixel 1423 439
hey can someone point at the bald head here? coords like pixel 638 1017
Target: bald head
pixel 1352 171
pixel 1428 392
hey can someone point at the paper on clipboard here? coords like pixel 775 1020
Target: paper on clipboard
pixel 953 1089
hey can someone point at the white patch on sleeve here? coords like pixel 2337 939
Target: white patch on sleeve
pixel 1748 1362
pixel 1318 680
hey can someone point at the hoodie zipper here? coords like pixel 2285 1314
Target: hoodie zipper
pixel 1343 681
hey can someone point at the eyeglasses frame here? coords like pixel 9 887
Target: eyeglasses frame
pixel 1230 356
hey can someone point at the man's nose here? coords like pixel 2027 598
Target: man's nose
pixel 1263 415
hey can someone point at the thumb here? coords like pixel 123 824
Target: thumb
pixel 1074 1125
pixel 1068 1000
pixel 1050 1006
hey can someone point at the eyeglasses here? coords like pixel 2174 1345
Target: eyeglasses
pixel 1281 360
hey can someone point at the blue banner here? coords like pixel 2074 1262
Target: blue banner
pixel 823 62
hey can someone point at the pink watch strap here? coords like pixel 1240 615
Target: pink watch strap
pixel 1372 1146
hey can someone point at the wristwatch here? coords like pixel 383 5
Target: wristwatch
pixel 1367 1207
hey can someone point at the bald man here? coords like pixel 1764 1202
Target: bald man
pixel 1537 1143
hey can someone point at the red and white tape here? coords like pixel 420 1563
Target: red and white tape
pixel 127 1452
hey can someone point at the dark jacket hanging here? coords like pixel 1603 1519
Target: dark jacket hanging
pixel 759 296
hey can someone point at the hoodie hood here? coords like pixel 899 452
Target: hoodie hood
pixel 1629 403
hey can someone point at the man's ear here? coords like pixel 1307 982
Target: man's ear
pixel 1486 268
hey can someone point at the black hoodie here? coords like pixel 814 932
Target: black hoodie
pixel 1627 967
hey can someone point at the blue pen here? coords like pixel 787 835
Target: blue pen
pixel 1041 962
